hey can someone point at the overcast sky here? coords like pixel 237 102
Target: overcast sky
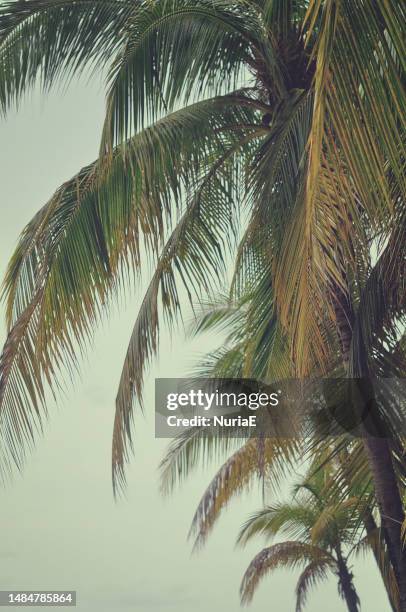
pixel 59 526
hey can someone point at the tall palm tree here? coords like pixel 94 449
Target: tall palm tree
pixel 293 109
pixel 323 531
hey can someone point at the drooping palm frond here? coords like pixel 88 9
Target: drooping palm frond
pixel 190 449
pixel 79 249
pixel 173 152
pixel 154 71
pixel 194 251
pixel 208 217
pixel 288 555
pixel 50 40
pixel 315 572
pixel 267 458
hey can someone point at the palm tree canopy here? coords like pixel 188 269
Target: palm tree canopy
pixel 289 112
pixel 323 533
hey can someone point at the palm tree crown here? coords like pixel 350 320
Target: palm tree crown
pixel 324 532
pixel 281 117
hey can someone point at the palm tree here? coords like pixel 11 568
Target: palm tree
pixel 293 109
pixel 324 540
pixel 254 348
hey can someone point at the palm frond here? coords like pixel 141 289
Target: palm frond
pixel 194 252
pixel 267 458
pixel 49 40
pixel 77 252
pixel 315 572
pixel 156 67
pixel 295 520
pixel 286 555
pixel 190 449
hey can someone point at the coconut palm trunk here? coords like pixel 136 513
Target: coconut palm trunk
pixel 346 583
pixel 391 509
pixel 389 502
pixel 377 448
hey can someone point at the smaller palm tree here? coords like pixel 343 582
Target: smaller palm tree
pixel 324 534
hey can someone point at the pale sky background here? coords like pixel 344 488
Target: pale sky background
pixel 59 526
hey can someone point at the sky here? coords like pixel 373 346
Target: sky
pixel 60 527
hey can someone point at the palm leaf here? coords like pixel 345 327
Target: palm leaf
pixel 50 40
pixel 258 458
pixel 156 69
pixel 314 572
pixel 286 555
pixel 79 249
